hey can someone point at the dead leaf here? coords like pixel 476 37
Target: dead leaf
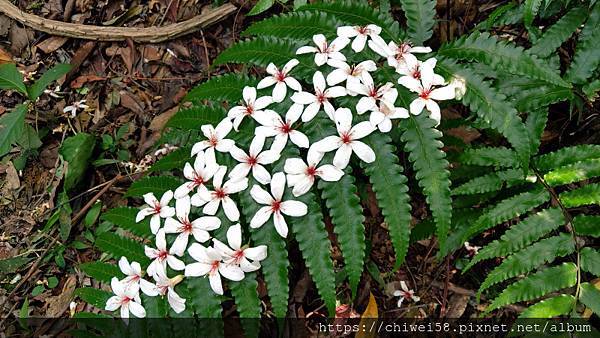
pixel 5 23
pixel 5 57
pixel 83 79
pixel 59 304
pixel 12 177
pixel 466 134
pixel 159 122
pixel 19 38
pixel 52 43
pixel 78 58
pixel 131 102
pixel 457 305
pixel 366 320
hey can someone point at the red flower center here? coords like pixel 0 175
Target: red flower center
pixel 425 94
pixel 363 30
pixel 280 76
pixel 321 97
pixel 346 138
pixel 311 171
pixel 416 73
pixel 374 93
pixel 251 160
pixel 213 140
pixel 162 255
pixel 187 226
pixel 249 110
pixel 198 180
pixel 285 128
pixel 276 206
pixel 125 300
pixel 220 193
pixel 157 208
pixel 214 266
pixel 238 255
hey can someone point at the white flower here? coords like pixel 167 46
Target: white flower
pixel 205 166
pixel 254 160
pixel 72 109
pixel 386 111
pixel 359 33
pixel 209 263
pixel 372 94
pixel 215 139
pixel 212 199
pixel 325 51
pixel 396 54
pixel 161 256
pixel 198 228
pixel 301 176
pixel 156 209
pixel 128 299
pixel 274 125
pixel 405 293
pixel 281 80
pixel 460 86
pixel 320 97
pixel 427 94
pixel 249 107
pixel 275 206
pixel 347 140
pixel 165 286
pixel 133 273
pixel 413 67
pixel 351 74
pixel 472 250
pixel 245 257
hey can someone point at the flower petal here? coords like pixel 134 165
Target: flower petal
pixel 261 217
pixel 293 208
pixel 363 151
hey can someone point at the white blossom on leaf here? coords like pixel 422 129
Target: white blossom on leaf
pixel 351 74
pixel 249 107
pixel 205 166
pixel 253 161
pixel 245 257
pixel 156 209
pixel 372 94
pixel 413 67
pixel 275 206
pixel 385 112
pixel 359 33
pixel 396 54
pixel 325 51
pixel 125 298
pixel 166 286
pixel 215 139
pixel 212 199
pixel 319 98
pixel 301 176
pixel 72 109
pixel 182 226
pixel 273 125
pixel 281 80
pixel 161 256
pixel 209 262
pixel 133 273
pixel 405 294
pixel 347 140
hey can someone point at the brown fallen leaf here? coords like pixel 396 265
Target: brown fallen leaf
pixel 5 57
pixel 12 177
pixel 366 320
pixel 129 101
pixel 19 38
pixel 158 123
pixel 83 79
pixel 457 305
pixel 57 305
pixel 52 43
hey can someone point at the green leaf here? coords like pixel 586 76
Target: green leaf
pixel 537 285
pixel 489 156
pixel 559 32
pixel 536 123
pixel 261 6
pixel 589 194
pixel 295 25
pixel 420 19
pixel 587 225
pixel 119 246
pixel 93 296
pixel 590 260
pixel 175 160
pixel 196 116
pixel 156 307
pixel 24 313
pixel 587 54
pixel 429 161
pixel 575 172
pixel 491 182
pixel 521 262
pixel 590 296
pixel 203 300
pixel 550 307
pixel 567 155
pixel 531 10
pixel 11 79
pixel 521 235
pixel 247 303
pixel 53 74
pixel 507 14
pixel 221 88
pixel 541 96
pixel 29 139
pixel 11 127
pixel 77 151
pixel 391 190
pixel 102 272
pixel 501 55
pixel 124 217
pixel 154 184
pixel 13 264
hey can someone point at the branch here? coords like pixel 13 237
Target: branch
pixel 106 33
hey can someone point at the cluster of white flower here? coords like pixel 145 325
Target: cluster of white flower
pixel 206 186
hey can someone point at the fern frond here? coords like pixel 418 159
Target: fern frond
pixel 490 156
pixel 341 198
pixel 535 124
pixel 559 32
pixel 590 261
pixel 587 225
pixel 154 184
pixel 531 9
pixel 175 160
pixel 100 271
pixel 575 172
pixel 93 296
pixel 420 19
pixel 507 14
pixel 193 118
pixel 520 235
pixel 119 246
pixel 550 307
pixel 204 302
pixel 537 285
pixel 490 182
pixel 590 297
pixel 587 54
pixel 521 262
pixel 124 217
pixel 391 191
pixel 502 56
pixel 245 294
pixel 425 152
pixel 566 156
pixel 542 96
pixel 589 194
pixel 221 88
pixel 591 90
pixel 299 25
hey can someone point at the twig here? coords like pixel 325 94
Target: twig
pixel 107 33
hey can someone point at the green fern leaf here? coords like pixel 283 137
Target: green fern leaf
pixel 420 19
pixel 193 118
pixel 119 246
pixel 507 14
pixel 300 25
pixel 589 194
pixel 175 160
pixel 590 296
pixel 341 198
pixel 490 182
pixel 124 217
pixel 100 271
pixel 537 285
pixel 591 90
pixel 93 296
pixel 154 184
pixel 502 56
pixel 536 123
pixel 566 156
pixel 587 54
pixel 558 33
pixel 520 235
pixel 227 88
pixel 202 299
pixel 541 97
pixel 550 307
pixel 532 8
pixel 357 13
pixel 521 262
pixel 490 156
pixel 429 161
pixel 587 225
pixel 575 172
pixel 245 293
pixel 590 261
pixel 390 186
